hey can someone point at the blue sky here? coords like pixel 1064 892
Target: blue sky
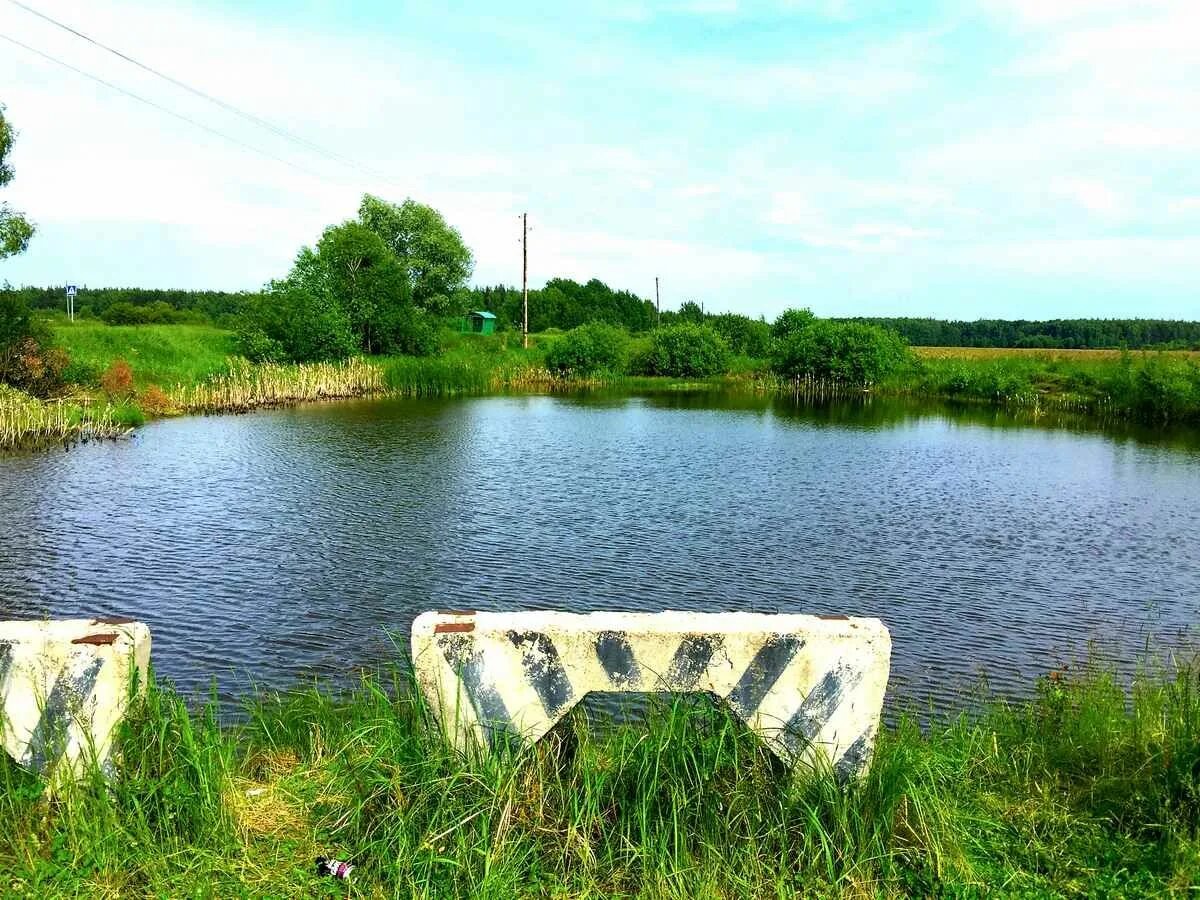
pixel 981 158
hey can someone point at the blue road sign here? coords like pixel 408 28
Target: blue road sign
pixel 71 290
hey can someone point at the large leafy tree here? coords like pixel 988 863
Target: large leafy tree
pixel 366 278
pixel 437 261
pixel 15 229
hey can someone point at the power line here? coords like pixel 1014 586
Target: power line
pixel 228 107
pixel 161 108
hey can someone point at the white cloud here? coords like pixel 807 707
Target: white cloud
pixel 1093 196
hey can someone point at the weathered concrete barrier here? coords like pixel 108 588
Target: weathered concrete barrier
pixel 807 684
pixel 64 687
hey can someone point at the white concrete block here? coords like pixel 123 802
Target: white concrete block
pixel 64 687
pixel 806 684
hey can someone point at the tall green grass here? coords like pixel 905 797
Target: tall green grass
pixel 159 354
pixel 1148 387
pixel 1088 790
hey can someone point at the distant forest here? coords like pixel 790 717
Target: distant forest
pixel 563 304
pixel 1083 334
pixel 219 307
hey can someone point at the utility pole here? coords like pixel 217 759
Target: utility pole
pixel 525 275
pixel 657 304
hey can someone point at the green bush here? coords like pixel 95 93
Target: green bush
pixel 589 349
pixel 683 351
pixel 29 358
pixel 745 336
pixel 842 352
pixel 406 330
pixel 289 322
pixel 258 346
pixel 157 313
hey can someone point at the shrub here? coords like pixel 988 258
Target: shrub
pixel 157 313
pixel 117 381
pixel 258 346
pixel 406 330
pixel 155 401
pixel 289 322
pixel 28 358
pixel 684 351
pixel 745 336
pixel 589 349
pixel 792 321
pixel 842 352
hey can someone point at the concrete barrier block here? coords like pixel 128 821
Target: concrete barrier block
pixel 64 687
pixel 807 685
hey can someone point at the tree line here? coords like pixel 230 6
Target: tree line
pixel 1065 334
pixel 140 306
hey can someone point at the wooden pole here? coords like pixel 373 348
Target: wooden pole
pixel 525 276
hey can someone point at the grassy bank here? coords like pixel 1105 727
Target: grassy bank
pixel 1150 387
pixel 162 355
pixel 188 368
pixel 1086 791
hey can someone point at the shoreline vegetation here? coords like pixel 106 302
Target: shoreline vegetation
pixel 184 369
pixel 1091 788
pixel 374 308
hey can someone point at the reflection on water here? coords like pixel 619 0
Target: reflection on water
pixel 279 545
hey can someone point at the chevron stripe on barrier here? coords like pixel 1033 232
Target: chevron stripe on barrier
pixel 64 687
pixel 805 684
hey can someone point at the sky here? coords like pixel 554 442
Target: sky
pixel 965 159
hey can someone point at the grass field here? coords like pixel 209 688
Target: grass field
pixel 990 353
pixel 164 355
pixel 1087 791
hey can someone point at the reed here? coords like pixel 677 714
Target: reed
pixel 26 422
pixel 245 386
pixel 1090 789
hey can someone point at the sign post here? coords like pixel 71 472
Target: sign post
pixel 71 291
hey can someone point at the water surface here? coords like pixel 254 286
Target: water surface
pixel 275 546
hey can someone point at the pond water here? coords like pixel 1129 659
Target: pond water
pixel 271 547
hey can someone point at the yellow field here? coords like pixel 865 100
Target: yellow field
pixel 1039 353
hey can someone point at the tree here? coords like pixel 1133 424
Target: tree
pixel 15 229
pixel 792 321
pixel 692 312
pixel 437 260
pixel 348 294
pixel 365 278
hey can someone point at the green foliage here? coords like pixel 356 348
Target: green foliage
pixel 15 229
pixel 587 350
pixel 408 331
pixel 745 336
pixel 297 320
pixel 683 351
pixel 838 352
pixel 1149 387
pixel 29 358
pixel 361 275
pixel 193 307
pixel 157 313
pixel 1083 334
pixel 437 261
pixel 562 304
pixel 791 322
pixel 690 312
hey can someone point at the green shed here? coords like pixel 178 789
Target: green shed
pixel 479 322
